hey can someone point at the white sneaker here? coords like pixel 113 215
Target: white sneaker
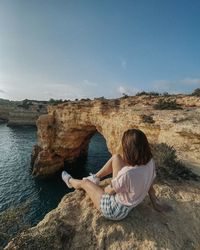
pixel 93 179
pixel 66 177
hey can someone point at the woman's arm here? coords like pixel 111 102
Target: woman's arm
pixel 158 206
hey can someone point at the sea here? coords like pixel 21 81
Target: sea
pixel 17 185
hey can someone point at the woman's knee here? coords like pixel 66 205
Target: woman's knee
pixel 85 182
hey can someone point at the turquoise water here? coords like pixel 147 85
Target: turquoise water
pixel 16 182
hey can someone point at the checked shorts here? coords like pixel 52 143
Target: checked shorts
pixel 112 209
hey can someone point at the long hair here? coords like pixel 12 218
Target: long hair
pixel 136 149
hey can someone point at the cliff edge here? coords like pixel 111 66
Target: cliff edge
pixel 76 224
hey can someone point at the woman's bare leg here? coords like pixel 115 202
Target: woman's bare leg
pixel 112 166
pixel 94 191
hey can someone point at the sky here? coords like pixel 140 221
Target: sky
pixel 68 49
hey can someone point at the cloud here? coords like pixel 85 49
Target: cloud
pixel 121 90
pixel 88 83
pixel 66 91
pixel 19 87
pixel 172 85
pixel 127 90
pixel 124 64
pixel 163 85
pixel 41 91
pixel 190 81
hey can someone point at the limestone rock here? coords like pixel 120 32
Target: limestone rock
pixel 67 128
pixel 21 116
pixel 76 224
pixel 47 163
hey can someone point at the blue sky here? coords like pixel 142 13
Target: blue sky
pixel 88 48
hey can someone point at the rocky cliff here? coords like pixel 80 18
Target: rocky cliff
pixel 76 224
pixel 5 107
pixel 65 132
pixel 23 116
pixel 19 113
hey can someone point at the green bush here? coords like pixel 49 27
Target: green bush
pixel 25 104
pixel 168 166
pixel 147 119
pixel 124 95
pixel 165 94
pixel 168 105
pixel 152 93
pixel 196 92
pixel 85 99
pixel 55 102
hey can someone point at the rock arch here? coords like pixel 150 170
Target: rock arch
pixel 64 133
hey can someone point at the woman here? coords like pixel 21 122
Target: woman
pixel 132 179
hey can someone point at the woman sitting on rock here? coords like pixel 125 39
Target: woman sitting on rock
pixel 133 176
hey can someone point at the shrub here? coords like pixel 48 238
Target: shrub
pixel 55 102
pixel 168 166
pixel 124 95
pixel 196 92
pixel 100 98
pixel 85 99
pixel 165 94
pixel 140 93
pixel 170 105
pixel 25 104
pixel 147 119
pixel 152 93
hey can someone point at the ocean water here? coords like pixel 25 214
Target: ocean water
pixel 17 185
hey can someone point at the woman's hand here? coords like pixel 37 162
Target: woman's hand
pixel 109 190
pixel 162 207
pixel 157 205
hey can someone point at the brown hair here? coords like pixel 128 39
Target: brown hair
pixel 136 149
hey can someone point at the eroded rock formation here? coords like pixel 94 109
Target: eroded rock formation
pixel 65 132
pixel 76 224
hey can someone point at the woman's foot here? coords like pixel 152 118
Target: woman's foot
pixel 93 179
pixel 66 177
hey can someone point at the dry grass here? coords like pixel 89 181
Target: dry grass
pixel 169 166
pixel 167 105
